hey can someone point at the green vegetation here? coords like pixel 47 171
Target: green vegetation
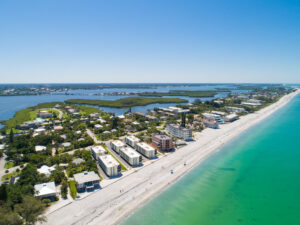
pixel 9 165
pixel 64 189
pixel 125 102
pixel 87 110
pixel 6 177
pixel 27 114
pixel 122 166
pixel 180 93
pixel 73 190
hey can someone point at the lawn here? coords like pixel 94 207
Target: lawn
pixel 125 102
pixel 122 166
pixel 7 177
pixel 9 165
pixel 73 190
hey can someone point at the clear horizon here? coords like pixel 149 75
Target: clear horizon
pixel 149 41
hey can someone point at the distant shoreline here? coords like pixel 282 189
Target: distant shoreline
pixel 110 206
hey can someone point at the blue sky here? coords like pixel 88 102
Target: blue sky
pixel 149 41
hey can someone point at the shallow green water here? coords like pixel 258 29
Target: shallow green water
pixel 253 180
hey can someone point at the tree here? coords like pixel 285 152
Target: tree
pixel 3 192
pixel 8 217
pixel 11 136
pixel 31 210
pixel 115 123
pixel 64 189
pixel 58 176
pixel 183 116
pixel 190 118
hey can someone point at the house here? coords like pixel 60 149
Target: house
pixel 97 151
pixel 39 148
pixel 179 131
pixel 98 126
pixel 86 181
pixel 66 144
pixel 77 161
pixel 101 120
pixel 131 140
pixel 145 150
pixel 131 156
pixel 40 131
pixel 44 114
pixel 109 165
pixel 94 115
pixel 46 170
pixel 58 127
pixel 117 145
pixel 162 142
pixel 45 190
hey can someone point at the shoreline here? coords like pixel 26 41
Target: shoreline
pixel 114 203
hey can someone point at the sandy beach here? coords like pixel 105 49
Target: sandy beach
pixel 116 201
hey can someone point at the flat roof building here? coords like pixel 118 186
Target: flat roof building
pixel 162 142
pixel 131 156
pixel 131 140
pixel 179 131
pixel 109 165
pixel 117 145
pixel 231 117
pixel 97 151
pixel 235 109
pixel 86 181
pixel 146 150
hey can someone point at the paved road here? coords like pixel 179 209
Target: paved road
pixel 117 156
pixel 93 136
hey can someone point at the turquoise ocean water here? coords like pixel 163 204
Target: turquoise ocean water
pixel 253 180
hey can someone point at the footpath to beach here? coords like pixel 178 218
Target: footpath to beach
pixel 115 202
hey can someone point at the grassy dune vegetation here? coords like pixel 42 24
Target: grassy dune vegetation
pixel 180 93
pixel 27 114
pixel 125 102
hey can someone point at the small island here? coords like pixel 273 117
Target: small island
pixel 125 102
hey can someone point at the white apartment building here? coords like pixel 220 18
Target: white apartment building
pixel 97 151
pixel 131 156
pixel 109 165
pixel 132 140
pixel 117 145
pixel 145 149
pixel 179 132
pixel 235 109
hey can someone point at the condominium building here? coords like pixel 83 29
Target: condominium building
pixel 97 151
pixel 179 131
pixel 212 116
pixel 231 117
pixel 132 140
pixel 235 109
pixel 162 142
pixel 210 123
pixel 131 156
pixel 117 145
pixel 109 165
pixel 145 149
